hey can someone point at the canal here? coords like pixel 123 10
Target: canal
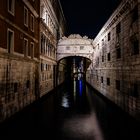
pixel 73 111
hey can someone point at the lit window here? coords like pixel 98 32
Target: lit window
pixel 26 47
pixel 11 6
pixel 32 23
pixel 25 16
pixel 10 41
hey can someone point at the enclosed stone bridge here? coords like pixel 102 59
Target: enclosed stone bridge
pixel 75 45
pixel 76 53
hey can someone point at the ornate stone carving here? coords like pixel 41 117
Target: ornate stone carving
pixel 74 36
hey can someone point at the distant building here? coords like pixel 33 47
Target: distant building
pixel 115 71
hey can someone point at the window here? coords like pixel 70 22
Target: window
pixel 108 56
pixel 97 77
pixel 135 47
pixel 42 66
pixel 118 53
pixel 118 84
pixel 28 84
pixel 98 46
pixel 29 50
pixel 26 53
pixel 46 18
pixel 109 36
pixel 32 49
pixel 102 42
pixel 32 23
pixel 81 47
pixel 118 28
pixel 25 16
pixel 42 44
pixel 11 6
pixel 10 41
pixel 102 58
pixel 108 81
pixel 67 48
pixel 135 14
pixel 15 87
pixel 135 90
pixel 102 80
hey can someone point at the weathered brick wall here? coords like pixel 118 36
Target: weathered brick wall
pixel 115 71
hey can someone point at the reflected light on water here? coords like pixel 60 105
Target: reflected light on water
pixel 80 87
pixel 65 101
pixel 83 126
pixel 74 89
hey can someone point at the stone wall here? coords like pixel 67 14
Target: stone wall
pixel 115 71
pixel 17 85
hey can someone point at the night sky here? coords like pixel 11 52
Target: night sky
pixel 87 17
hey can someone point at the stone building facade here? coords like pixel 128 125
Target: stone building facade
pixel 52 23
pixel 19 39
pixel 115 71
pixel 28 39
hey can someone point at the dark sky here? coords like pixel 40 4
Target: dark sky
pixel 87 17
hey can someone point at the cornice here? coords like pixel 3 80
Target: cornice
pixel 124 7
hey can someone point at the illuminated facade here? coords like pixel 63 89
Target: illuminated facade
pixel 115 70
pixel 52 23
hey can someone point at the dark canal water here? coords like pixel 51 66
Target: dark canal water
pixel 72 112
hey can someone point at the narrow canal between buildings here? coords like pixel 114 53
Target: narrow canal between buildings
pixel 74 111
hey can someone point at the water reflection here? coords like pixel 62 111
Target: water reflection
pixel 74 94
pixel 74 112
pixel 80 121
pixel 65 100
